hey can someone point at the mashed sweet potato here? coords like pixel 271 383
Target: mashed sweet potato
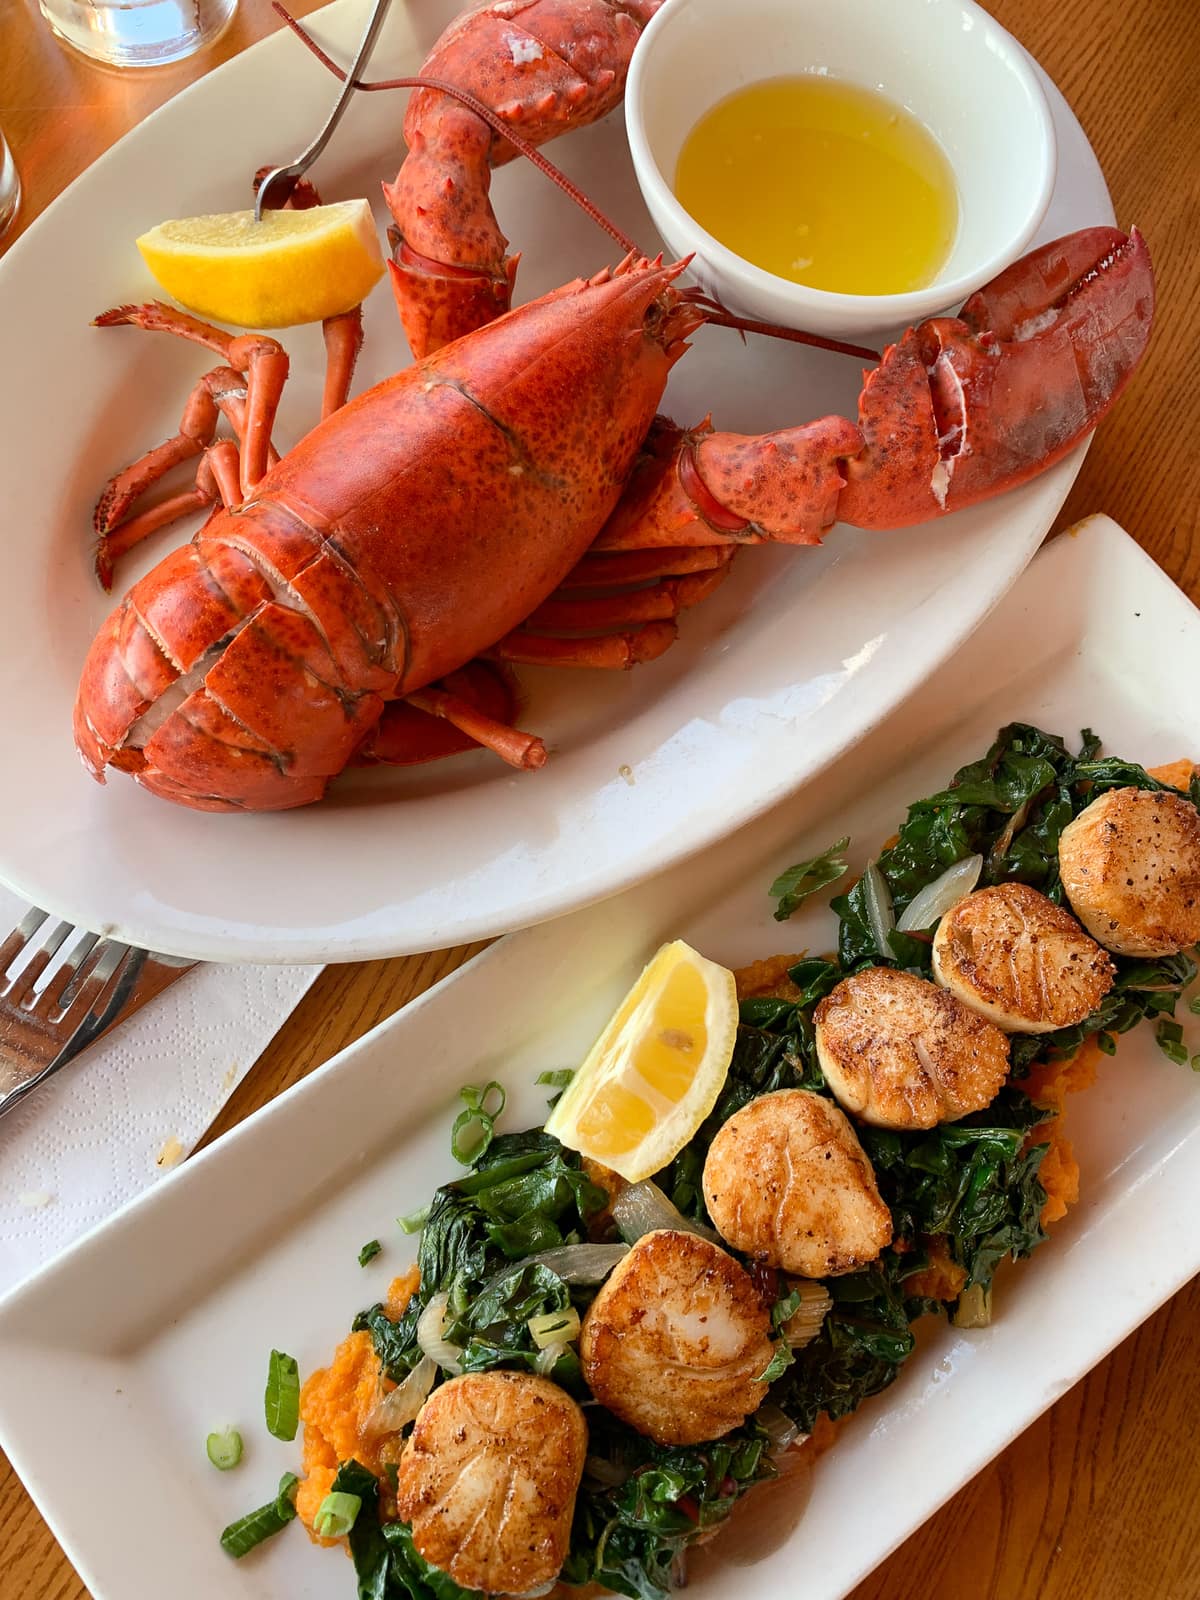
pixel 335 1402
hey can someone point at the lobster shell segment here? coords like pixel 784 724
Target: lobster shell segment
pixel 965 408
pixel 546 67
pixel 400 539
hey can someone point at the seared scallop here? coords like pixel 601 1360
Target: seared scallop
pixel 1130 864
pixel 787 1182
pixel 488 1479
pixel 676 1340
pixel 899 1052
pixel 1021 961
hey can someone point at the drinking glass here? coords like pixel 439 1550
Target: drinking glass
pixel 138 33
pixel 10 186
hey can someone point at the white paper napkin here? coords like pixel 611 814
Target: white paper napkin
pixel 129 1110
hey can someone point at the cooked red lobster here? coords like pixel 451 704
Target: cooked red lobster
pixel 466 507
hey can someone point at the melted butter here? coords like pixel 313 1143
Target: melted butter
pixel 823 182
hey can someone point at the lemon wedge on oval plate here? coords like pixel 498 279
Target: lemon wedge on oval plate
pixel 655 1072
pixel 293 266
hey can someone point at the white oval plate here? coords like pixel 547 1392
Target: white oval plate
pixel 796 658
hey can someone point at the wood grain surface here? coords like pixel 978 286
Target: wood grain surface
pixel 1097 1500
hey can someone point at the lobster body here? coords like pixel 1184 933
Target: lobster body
pixel 404 535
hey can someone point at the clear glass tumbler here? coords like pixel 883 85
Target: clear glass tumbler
pixel 10 186
pixel 138 33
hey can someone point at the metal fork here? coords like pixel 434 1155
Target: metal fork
pixel 297 168
pixel 100 983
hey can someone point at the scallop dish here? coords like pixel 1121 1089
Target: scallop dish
pixel 747 1196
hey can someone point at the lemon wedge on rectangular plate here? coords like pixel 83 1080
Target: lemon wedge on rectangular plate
pixel 655 1072
pixel 292 266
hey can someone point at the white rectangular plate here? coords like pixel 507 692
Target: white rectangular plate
pixel 156 1328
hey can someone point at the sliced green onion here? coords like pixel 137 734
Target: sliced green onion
pixel 282 1398
pixel 555 1327
pixel 369 1251
pixel 336 1514
pixel 974 1308
pixel 1193 1007
pixel 556 1080
pixel 414 1221
pixel 475 1128
pixel 241 1536
pixel 1170 1041
pixel 472 1133
pixel 224 1449
pixel 477 1099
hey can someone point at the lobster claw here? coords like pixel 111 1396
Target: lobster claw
pixel 964 408
pixel 439 302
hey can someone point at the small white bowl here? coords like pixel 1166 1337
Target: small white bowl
pixel 946 61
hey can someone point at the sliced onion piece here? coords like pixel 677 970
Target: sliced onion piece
pixel 398 1409
pixel 878 898
pixel 643 1208
pixel 779 1428
pixel 575 1263
pixel 546 1359
pixel 430 1328
pixel 609 1473
pixel 804 1324
pixel 942 895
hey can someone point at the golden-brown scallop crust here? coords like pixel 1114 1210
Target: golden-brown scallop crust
pixel 899 1052
pixel 1130 863
pixel 787 1182
pixel 488 1479
pixel 676 1340
pixel 1018 959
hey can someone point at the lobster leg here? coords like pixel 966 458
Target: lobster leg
pixel 220 392
pixel 343 341
pixel 470 708
pixel 614 641
pixel 260 358
pixel 654 603
pixel 616 651
pixel 601 570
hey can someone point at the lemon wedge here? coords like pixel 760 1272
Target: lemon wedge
pixel 293 266
pixel 655 1072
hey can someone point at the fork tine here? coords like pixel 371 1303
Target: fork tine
pixel 20 936
pixel 48 1000
pixel 105 960
pixel 20 990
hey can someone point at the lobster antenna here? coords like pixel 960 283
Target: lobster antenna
pixel 716 313
pixel 719 316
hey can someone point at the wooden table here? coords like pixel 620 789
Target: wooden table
pixel 1097 1500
